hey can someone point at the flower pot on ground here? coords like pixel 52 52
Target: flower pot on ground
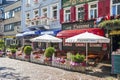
pixel 49 53
pixel 13 51
pixel 78 62
pixel 27 51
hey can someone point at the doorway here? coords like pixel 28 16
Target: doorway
pixel 115 42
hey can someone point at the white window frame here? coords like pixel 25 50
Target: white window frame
pixel 45 12
pixel 36 15
pixel 27 1
pixel 92 3
pixel 116 7
pixel 27 16
pixel 54 5
pixel 69 8
pixel 78 6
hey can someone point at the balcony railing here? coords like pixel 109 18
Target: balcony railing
pixel 36 1
pixel 27 4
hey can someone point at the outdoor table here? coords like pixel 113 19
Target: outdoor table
pixel 92 56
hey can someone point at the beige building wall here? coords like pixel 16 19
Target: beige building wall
pixel 16 18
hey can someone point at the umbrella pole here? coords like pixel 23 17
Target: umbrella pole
pixel 86 52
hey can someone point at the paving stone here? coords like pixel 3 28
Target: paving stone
pixel 11 69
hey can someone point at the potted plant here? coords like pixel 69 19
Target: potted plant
pixel 77 62
pixel 27 51
pixel 77 59
pixel 13 51
pixel 1 52
pixel 48 53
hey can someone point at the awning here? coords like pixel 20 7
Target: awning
pixel 70 33
pixel 19 35
pixel 115 32
pixel 51 32
pixel 31 33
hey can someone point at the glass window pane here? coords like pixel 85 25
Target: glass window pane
pixel 115 1
pixel 118 9
pixel 113 10
pixel 95 13
pixel 91 13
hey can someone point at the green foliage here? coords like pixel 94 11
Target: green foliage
pixel 13 51
pixel 49 52
pixel 13 46
pixel 1 43
pixel 115 22
pixel 27 50
pixel 77 58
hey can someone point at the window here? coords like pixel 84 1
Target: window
pixel 93 11
pixel 54 12
pixel 115 7
pixel 11 13
pixel 80 13
pixel 28 1
pixel 44 12
pixel 9 27
pixel 67 15
pixel 17 9
pixel 36 13
pixel 6 15
pixel 28 16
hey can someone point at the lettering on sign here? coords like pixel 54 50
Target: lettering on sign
pixel 95 45
pixel 66 44
pixel 80 44
pixel 74 2
pixel 76 26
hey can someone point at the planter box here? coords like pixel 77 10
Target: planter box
pixel 48 63
pixel 37 60
pixel 20 57
pixel 67 66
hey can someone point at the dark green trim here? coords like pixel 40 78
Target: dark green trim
pixel 77 3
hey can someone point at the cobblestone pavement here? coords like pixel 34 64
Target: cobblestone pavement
pixel 11 69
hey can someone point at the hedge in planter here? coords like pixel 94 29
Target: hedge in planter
pixel 27 50
pixel 77 59
pixel 13 51
pixel 49 52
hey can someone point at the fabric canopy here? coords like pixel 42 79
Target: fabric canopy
pixel 31 33
pixel 19 35
pixel 70 33
pixel 87 38
pixel 46 38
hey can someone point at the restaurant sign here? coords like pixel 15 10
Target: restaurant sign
pixel 66 3
pixel 72 26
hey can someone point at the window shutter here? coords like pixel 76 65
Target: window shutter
pixel 86 12
pixel 73 14
pixel 61 16
pixel 107 7
pixel 101 9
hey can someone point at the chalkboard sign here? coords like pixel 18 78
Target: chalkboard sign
pixel 116 63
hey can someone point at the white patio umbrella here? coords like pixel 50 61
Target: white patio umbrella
pixel 87 38
pixel 46 38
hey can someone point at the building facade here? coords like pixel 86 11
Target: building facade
pixel 40 17
pixel 38 14
pixel 78 16
pixel 12 22
pixel 3 3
